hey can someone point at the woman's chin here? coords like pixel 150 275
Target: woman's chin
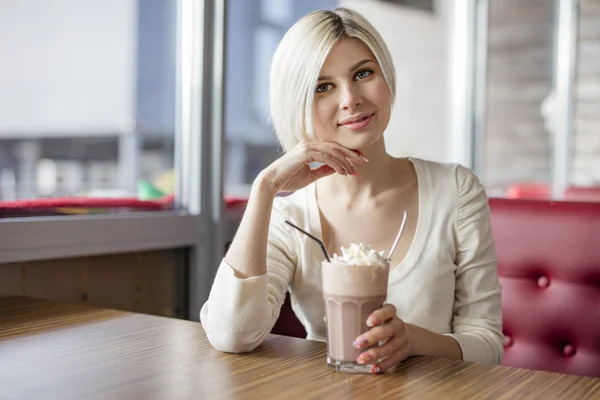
pixel 359 141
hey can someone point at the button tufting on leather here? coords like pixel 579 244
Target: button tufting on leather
pixel 569 350
pixel 508 341
pixel 543 282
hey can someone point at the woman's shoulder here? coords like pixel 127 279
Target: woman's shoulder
pixel 446 176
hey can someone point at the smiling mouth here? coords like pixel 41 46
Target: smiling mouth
pixel 357 121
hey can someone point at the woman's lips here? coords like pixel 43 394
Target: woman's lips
pixel 359 124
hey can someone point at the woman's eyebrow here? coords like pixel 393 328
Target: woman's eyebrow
pixel 361 62
pixel 352 68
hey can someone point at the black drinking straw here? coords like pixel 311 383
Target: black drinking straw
pixel 313 238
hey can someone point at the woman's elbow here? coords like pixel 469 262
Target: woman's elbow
pixel 231 337
pixel 229 342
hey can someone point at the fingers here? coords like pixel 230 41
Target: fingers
pixel 392 361
pixel 342 160
pixel 311 154
pixel 379 334
pixel 332 154
pixel 326 158
pixel 351 155
pixel 321 172
pixel 395 348
pixel 384 314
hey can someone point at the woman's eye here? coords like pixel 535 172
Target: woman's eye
pixel 324 87
pixel 363 74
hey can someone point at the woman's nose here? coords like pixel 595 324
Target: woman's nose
pixel 350 98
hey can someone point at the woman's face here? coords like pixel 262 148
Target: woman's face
pixel 352 100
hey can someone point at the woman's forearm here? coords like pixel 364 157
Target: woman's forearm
pixel 424 342
pixel 247 254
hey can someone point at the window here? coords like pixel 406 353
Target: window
pixel 540 138
pixel 516 139
pixel 87 105
pixel 586 95
pixel 110 98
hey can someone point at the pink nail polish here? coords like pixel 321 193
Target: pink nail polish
pixel 363 359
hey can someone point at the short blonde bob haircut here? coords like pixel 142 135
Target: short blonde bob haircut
pixel 297 63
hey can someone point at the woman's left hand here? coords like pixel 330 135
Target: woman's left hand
pixel 387 328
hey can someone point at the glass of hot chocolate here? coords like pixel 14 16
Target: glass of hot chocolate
pixel 354 285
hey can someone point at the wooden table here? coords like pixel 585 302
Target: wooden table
pixel 52 350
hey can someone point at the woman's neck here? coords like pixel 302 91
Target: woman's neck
pixel 373 178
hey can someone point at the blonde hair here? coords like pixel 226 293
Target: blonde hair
pixel 297 63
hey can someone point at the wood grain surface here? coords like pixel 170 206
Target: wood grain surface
pixel 51 350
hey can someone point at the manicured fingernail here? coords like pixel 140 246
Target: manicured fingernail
pixel 375 369
pixel 353 171
pixel 371 322
pixel 344 171
pixel 360 342
pixel 363 359
pixel 361 155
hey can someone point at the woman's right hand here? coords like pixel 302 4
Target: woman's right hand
pixel 292 171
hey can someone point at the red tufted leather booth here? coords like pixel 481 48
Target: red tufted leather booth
pixel 549 267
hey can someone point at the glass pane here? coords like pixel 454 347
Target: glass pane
pixel 266 39
pixel 585 184
pixel 87 105
pixel 517 139
pixel 277 12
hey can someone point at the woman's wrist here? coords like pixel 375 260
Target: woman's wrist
pixel 413 340
pixel 263 184
pixel 423 342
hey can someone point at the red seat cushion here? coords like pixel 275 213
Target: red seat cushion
pixel 549 267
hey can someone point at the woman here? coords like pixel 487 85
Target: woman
pixel 332 90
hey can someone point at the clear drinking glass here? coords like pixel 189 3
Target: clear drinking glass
pixel 351 293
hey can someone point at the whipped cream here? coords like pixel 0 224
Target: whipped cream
pixel 360 255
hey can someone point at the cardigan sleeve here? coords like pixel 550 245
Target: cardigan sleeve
pixel 477 320
pixel 240 313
